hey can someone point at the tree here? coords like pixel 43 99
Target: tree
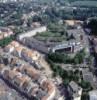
pixel 79 57
pixel 85 96
pixel 6 41
pixel 71 36
pixel 66 82
pixel 37 18
pixel 58 57
pixel 93 26
pixel 86 85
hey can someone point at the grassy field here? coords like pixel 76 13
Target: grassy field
pixel 50 36
pixel 85 3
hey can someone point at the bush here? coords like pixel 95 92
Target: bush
pixel 93 26
pixel 86 86
pixel 6 41
pixel 79 57
pixel 59 57
pixel 64 58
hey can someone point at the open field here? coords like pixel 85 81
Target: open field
pixel 50 36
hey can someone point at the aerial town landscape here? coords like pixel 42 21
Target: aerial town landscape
pixel 48 49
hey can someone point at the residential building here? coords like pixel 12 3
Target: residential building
pixel 94 41
pixel 23 52
pixel 73 22
pixel 6 93
pixel 88 76
pixel 29 81
pixel 93 95
pixel 75 91
pixel 5 32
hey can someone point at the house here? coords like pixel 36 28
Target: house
pixel 93 95
pixel 77 41
pixel 36 24
pixel 30 71
pixel 1 66
pixel 29 54
pixel 73 22
pixel 28 80
pixel 5 32
pixel 49 87
pixel 88 76
pixel 10 75
pixel 6 93
pixel 75 91
pixel 21 81
pixel 94 41
pixel 22 52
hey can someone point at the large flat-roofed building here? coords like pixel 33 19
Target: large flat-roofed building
pixel 88 76
pixel 76 42
pixel 94 41
pixel 32 32
pixel 35 44
pixel 69 47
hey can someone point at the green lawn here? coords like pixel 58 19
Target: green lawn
pixel 50 35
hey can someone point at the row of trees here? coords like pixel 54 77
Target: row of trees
pixel 64 58
pixel 6 41
pixel 93 26
pixel 55 27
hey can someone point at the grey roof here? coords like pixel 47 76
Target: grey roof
pixel 76 33
pixel 88 76
pixel 74 86
pixel 35 44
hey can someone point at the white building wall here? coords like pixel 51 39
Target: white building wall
pixel 93 97
pixel 51 96
pixel 32 33
pixel 80 92
pixel 77 98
